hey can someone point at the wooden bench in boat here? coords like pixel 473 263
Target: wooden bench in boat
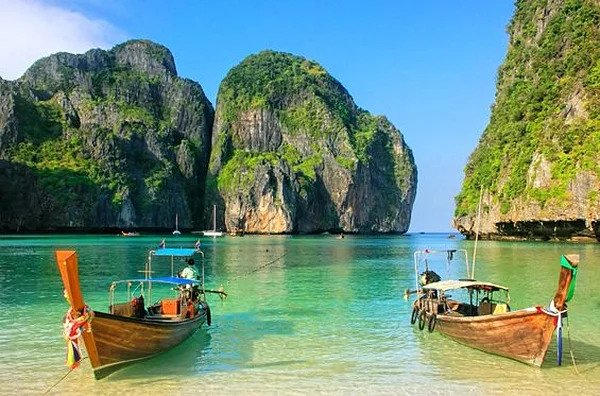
pixel 485 308
pixel 490 308
pixel 130 309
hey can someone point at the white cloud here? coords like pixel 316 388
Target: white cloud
pixel 31 30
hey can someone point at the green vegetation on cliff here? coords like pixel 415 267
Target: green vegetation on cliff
pixel 267 80
pixel 115 134
pixel 547 106
pixel 305 99
pixel 292 150
pixel 46 151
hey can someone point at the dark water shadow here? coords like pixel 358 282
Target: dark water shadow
pixel 176 361
pixel 586 355
pixel 458 362
pixel 228 345
pixel 238 340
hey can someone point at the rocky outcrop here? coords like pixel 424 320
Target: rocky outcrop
pixel 8 119
pixel 108 138
pixel 292 153
pixel 537 162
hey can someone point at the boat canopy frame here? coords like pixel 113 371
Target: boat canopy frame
pixel 148 280
pixel 421 256
pixel 469 284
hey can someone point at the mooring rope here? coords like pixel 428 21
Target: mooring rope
pixel 259 268
pixel 571 348
pixel 63 377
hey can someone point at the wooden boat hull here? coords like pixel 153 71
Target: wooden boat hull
pixel 522 335
pixel 120 340
pixel 115 341
pixel 213 233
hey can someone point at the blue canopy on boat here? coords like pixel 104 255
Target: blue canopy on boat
pixel 164 279
pixel 177 252
pixel 176 280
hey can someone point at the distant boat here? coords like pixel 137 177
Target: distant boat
pixel 131 233
pixel 176 232
pixel 213 232
pixel 210 233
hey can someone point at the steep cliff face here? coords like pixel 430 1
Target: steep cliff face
pixel 293 153
pixel 108 138
pixel 538 161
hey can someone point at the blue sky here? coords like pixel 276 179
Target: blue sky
pixel 429 66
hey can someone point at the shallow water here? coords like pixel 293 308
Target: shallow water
pixel 304 315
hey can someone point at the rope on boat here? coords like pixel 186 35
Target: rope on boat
pixel 552 312
pixel 571 347
pixel 62 378
pixel 73 328
pixel 558 318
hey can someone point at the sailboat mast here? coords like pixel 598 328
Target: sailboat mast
pixel 176 232
pixel 476 233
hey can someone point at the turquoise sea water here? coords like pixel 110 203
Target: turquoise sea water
pixel 305 315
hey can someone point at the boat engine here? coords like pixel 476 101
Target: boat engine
pixel 428 277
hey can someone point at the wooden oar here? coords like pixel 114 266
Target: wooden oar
pixel 220 292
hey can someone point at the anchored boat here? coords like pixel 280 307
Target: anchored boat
pixel 213 232
pixel 483 318
pixel 131 330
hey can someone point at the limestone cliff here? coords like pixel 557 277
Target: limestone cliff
pixel 102 140
pixel 538 161
pixel 293 153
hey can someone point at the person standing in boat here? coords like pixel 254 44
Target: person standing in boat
pixel 190 272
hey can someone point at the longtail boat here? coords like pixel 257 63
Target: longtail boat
pixel 131 331
pixel 484 319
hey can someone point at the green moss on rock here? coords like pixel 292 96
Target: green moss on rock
pixel 547 102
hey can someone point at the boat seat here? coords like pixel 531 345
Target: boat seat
pixel 132 309
pixel 500 309
pixel 121 309
pixel 171 306
pixel 485 308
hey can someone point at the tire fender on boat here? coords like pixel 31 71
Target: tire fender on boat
pixel 422 319
pixel 431 323
pixel 208 318
pixel 414 315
